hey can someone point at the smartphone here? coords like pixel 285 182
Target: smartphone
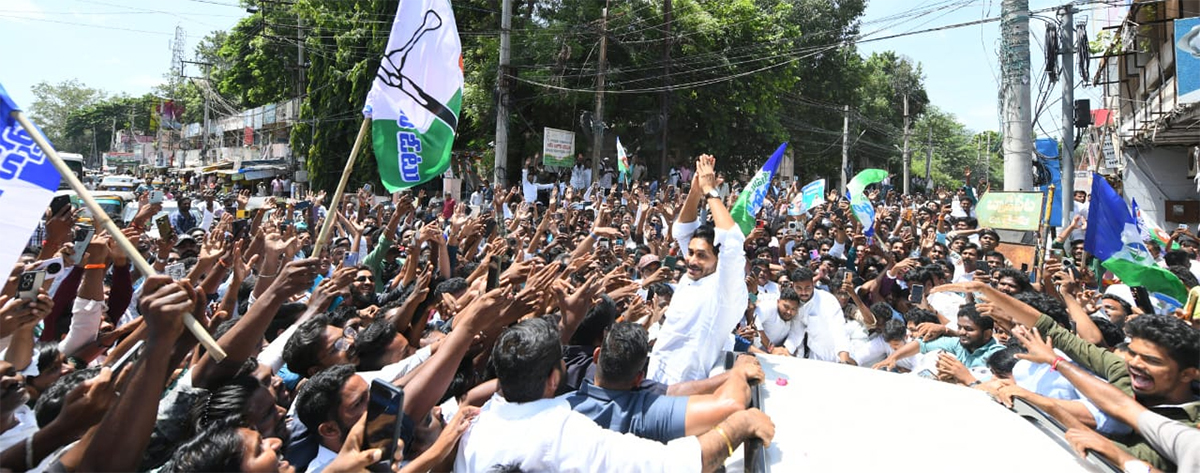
pixel 983 266
pixel 384 422
pixel 602 243
pixel 367 187
pixel 128 357
pixel 351 260
pixel 493 274
pixel 176 271
pixel 240 228
pixel 83 238
pixel 156 197
pixel 916 294
pixel 1142 298
pixel 53 267
pixel 29 284
pixel 302 205
pixel 814 255
pixel 1183 226
pixel 59 203
pixel 165 231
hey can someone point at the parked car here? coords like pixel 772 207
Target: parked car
pixel 119 183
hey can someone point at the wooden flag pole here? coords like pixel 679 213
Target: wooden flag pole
pixel 114 232
pixel 331 215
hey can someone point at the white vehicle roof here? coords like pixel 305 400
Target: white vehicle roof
pixel 832 417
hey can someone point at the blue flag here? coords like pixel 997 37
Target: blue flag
pixel 28 180
pixel 750 201
pixel 1114 237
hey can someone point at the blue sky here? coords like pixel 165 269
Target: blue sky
pixel 123 46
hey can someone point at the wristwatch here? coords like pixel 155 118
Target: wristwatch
pixel 712 194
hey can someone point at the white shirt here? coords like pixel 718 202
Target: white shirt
pixel 529 188
pixel 702 313
pixel 324 457
pixel 785 333
pixel 581 177
pixel 821 318
pixel 1039 378
pixel 552 437
pixel 770 289
pixel 27 425
pixel 947 304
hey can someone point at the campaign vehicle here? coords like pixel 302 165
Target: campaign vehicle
pixel 834 417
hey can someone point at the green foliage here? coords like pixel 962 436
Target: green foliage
pixel 54 103
pixel 955 149
pixel 94 123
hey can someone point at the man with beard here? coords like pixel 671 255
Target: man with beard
pixel 362 290
pixel 972 347
pixel 712 296
pixel 819 329
pixel 1162 361
pixel 17 420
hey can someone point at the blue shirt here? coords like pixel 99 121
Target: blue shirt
pixel 183 221
pixel 972 359
pixel 641 412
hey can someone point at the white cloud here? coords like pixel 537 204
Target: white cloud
pixel 19 10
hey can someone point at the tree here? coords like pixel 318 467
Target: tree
pixel 954 149
pixel 53 103
pixel 91 126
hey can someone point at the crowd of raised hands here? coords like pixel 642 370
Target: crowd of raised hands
pixel 99 374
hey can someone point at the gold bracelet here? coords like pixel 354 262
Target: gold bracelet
pixel 728 444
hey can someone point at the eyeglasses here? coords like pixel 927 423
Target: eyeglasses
pixel 349 334
pixel 362 279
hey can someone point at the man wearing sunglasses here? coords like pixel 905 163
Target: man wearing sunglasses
pixel 362 290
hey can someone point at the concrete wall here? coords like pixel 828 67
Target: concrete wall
pixel 1155 175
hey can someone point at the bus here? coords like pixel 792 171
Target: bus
pixel 75 162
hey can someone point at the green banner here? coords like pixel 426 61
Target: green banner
pixel 1010 210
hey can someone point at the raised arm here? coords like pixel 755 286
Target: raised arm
pixel 707 178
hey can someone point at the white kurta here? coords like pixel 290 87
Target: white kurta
pixel 702 313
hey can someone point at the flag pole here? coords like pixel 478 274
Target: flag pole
pixel 323 237
pixel 114 232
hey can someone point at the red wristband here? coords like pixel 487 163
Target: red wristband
pixel 1054 364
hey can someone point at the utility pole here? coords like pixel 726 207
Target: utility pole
pixel 929 157
pixel 845 148
pixel 301 84
pixel 987 159
pixel 598 120
pixel 501 160
pixel 1018 120
pixel 207 94
pixel 1067 183
pixel 907 158
pixel 665 113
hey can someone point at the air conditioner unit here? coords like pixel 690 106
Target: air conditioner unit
pixel 1193 162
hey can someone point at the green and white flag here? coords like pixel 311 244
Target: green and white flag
pixel 416 97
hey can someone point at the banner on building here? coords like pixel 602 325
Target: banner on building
pixel 558 147
pixel 1187 59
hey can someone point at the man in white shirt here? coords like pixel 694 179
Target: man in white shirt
pixel 529 186
pixel 819 327
pixel 581 174
pixel 761 269
pixel 775 315
pixel 712 297
pixel 528 363
pixel 16 419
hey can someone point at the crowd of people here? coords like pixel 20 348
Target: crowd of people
pixel 561 325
